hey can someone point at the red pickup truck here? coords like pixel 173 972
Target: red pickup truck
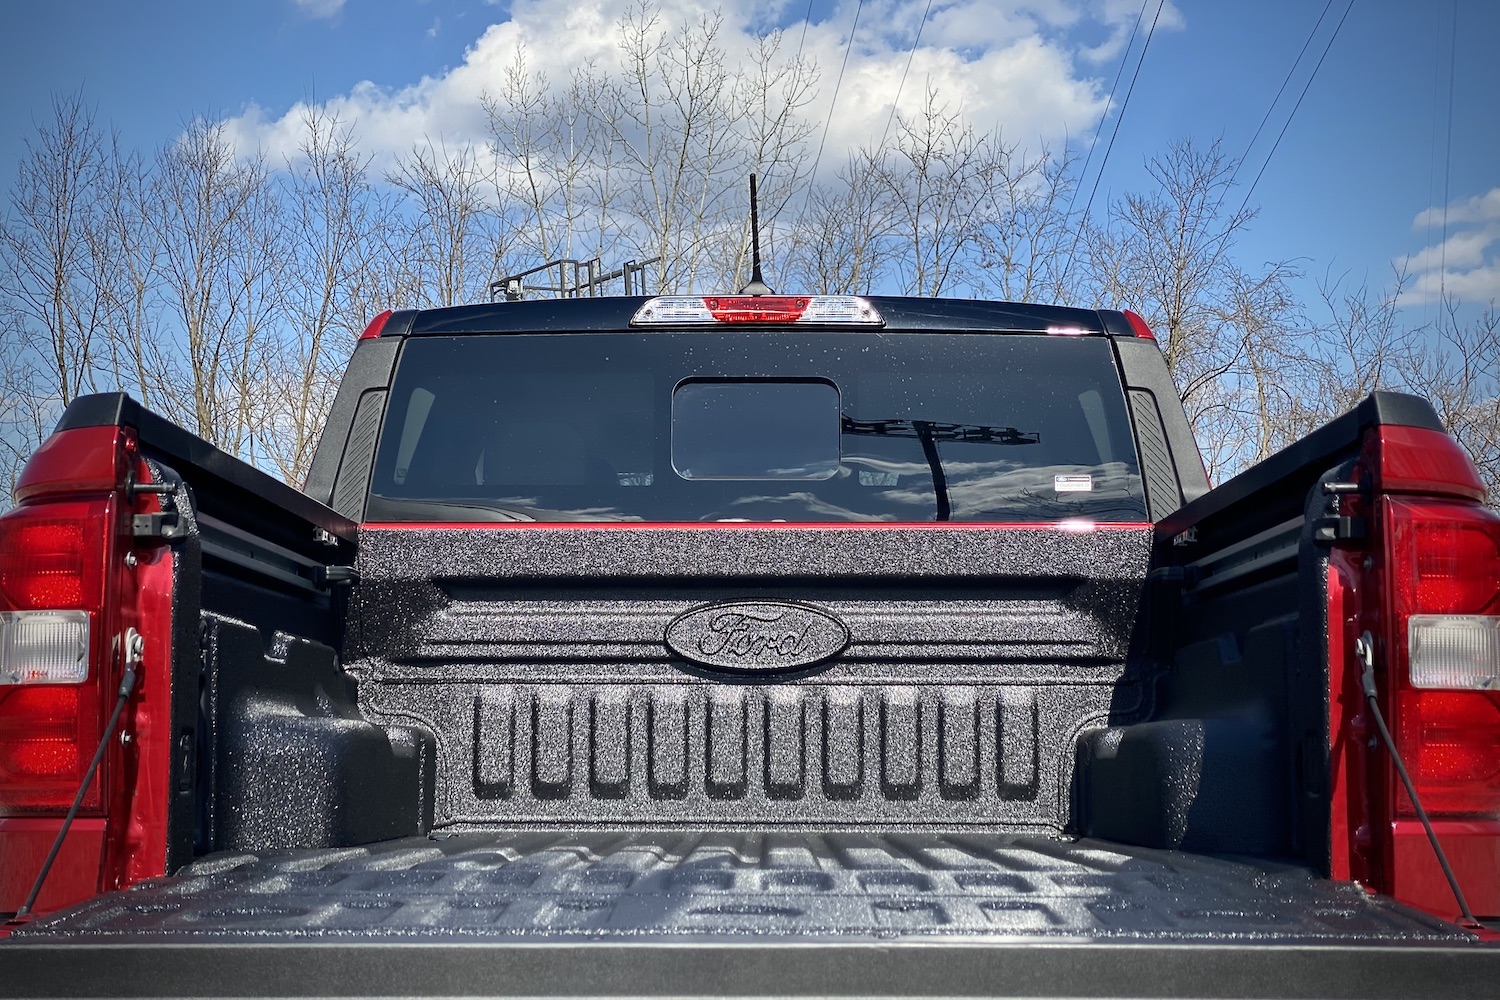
pixel 753 645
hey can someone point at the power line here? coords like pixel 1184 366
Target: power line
pixel 1124 61
pixel 1447 164
pixel 1277 144
pixel 900 86
pixel 1437 76
pixel 812 177
pixel 805 22
pixel 1277 99
pixel 1112 136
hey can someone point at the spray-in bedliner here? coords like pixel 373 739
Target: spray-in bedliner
pixel 782 885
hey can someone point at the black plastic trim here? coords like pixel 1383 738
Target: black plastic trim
pixel 160 438
pixel 1299 465
pixel 751 968
pixel 592 315
pixel 370 367
pixel 1145 370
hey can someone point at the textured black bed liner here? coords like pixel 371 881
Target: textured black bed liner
pixel 578 886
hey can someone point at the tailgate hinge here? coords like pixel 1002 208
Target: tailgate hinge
pixel 1339 528
pixel 164 525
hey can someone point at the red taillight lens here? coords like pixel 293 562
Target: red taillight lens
pixel 1451 743
pixel 47 737
pixel 1444 573
pixel 756 308
pixel 52 556
pixel 1447 557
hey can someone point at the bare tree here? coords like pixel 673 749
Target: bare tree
pixel 844 243
pixel 50 279
pixel 448 236
pixel 938 178
pixel 221 240
pixel 1168 253
pixel 1456 366
pixel 1024 243
pixel 333 215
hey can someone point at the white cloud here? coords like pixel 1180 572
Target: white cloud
pixel 1021 65
pixel 1480 208
pixel 1466 265
pixel 319 8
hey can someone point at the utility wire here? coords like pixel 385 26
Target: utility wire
pixel 1078 233
pixel 900 86
pixel 1124 61
pixel 805 22
pixel 1277 144
pixel 812 178
pixel 1437 76
pixel 1277 99
pixel 1447 165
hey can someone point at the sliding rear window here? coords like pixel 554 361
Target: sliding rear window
pixel 674 427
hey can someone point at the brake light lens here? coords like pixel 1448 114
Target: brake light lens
pixel 1450 741
pixel 47 737
pixel 706 310
pixel 52 556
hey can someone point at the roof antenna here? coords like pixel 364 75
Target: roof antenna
pixel 757 286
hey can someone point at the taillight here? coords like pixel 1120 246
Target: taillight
pixel 53 572
pixel 1444 574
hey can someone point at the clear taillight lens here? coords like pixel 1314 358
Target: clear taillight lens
pixel 44 647
pixel 1457 652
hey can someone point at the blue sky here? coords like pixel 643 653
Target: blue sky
pixel 1357 182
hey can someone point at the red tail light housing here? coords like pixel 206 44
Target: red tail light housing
pixel 56 549
pixel 1444 574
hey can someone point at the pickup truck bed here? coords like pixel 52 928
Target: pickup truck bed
pixel 582 885
pixel 719 913
pixel 399 745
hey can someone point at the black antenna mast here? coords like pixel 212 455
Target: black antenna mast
pixel 757 285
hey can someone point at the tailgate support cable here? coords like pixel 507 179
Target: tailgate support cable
pixel 1364 648
pixel 132 650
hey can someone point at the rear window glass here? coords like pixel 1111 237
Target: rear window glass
pixel 755 429
pixel 757 426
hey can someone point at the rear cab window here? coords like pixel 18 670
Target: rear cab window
pixel 672 427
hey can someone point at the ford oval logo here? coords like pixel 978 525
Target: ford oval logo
pixel 757 636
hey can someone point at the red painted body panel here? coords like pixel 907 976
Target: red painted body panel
pixel 82 460
pixel 1473 849
pixel 1415 460
pixel 24 843
pixel 136 848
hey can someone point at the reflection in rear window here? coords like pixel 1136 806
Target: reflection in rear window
pixel 758 426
